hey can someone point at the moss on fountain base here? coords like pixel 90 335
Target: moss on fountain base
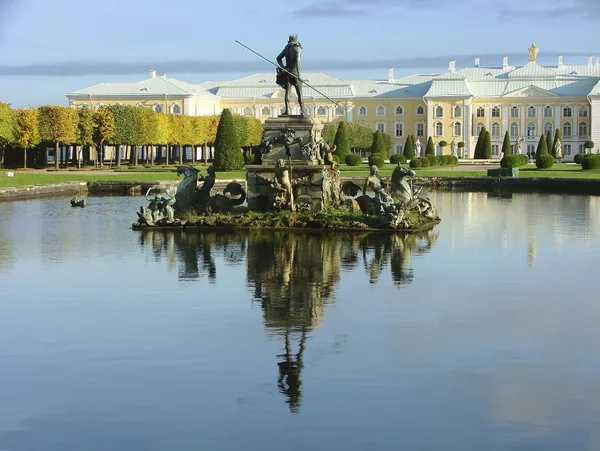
pixel 338 219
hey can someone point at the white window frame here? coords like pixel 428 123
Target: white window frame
pixel 398 107
pixel 380 125
pixel 157 108
pixel 439 129
pixel 567 149
pixel 567 111
pixel 531 112
pixel 322 111
pixel 583 111
pixel 547 109
pixel 247 111
pixel 514 126
pixel 422 125
pixel 439 111
pixel 569 126
pixel 420 110
pixel 380 111
pixel 398 148
pixel 496 111
pixel 496 130
pixel 478 128
pixel 587 129
pixel 548 129
pixel 173 107
pixel 496 149
pixel 457 111
pixel 457 126
pixel 362 111
pixel 514 112
pixel 267 109
pixel 531 130
pixel 480 112
pixel 339 111
pixel 401 124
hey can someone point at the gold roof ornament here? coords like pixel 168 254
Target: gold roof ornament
pixel 533 52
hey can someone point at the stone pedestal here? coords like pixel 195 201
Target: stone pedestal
pixel 316 186
pixel 286 135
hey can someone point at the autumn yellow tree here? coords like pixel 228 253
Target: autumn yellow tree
pixel 163 133
pixel 27 133
pixel 85 133
pixel 57 124
pixel 104 129
pixel 7 128
pixel 149 132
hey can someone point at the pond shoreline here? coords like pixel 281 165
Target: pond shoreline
pixel 516 184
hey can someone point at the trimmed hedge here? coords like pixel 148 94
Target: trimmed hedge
pixel 425 161
pixel 250 158
pixel 337 159
pixel 353 159
pixel 579 158
pixel 591 161
pixel 416 163
pixel 544 161
pixel 397 158
pixel 376 160
pixel 514 161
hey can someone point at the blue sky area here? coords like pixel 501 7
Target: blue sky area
pixel 49 48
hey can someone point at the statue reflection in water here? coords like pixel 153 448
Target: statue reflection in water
pixel 292 276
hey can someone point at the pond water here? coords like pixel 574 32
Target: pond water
pixel 480 334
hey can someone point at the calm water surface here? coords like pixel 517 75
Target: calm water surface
pixel 479 335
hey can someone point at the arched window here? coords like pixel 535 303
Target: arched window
pixel 97 107
pixel 567 111
pixel 157 107
pixel 420 109
pixel 139 105
pixel 398 129
pixel 583 129
pixel 399 110
pixel 362 110
pixel 248 111
pixel 439 111
pixel 83 106
pixel 322 111
pixel 380 125
pixel 480 112
pixel 531 112
pixel 567 130
pixel 548 127
pixel 457 112
pixel 339 110
pixel 496 111
pixel 266 111
pixel 514 112
pixel 495 130
pixel 380 111
pixel 531 130
pixel 398 148
pixel 478 128
pixel 175 108
pixel 439 129
pixel 583 111
pixel 548 111
pixel 310 110
pixel 457 129
pixel 514 130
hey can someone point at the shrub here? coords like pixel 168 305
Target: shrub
pixel 378 146
pixel 433 160
pixel 430 149
pixel 409 147
pixel 591 161
pixel 506 144
pixel 228 153
pixel 250 158
pixel 376 160
pixel 337 159
pixel 545 160
pixel 478 154
pixel 579 157
pixel 416 163
pixel 425 161
pixel 589 145
pixel 342 141
pixel 353 159
pixel 514 160
pixel 487 146
pixel 442 160
pixel 397 158
pixel 542 148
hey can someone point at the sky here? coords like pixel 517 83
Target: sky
pixel 49 48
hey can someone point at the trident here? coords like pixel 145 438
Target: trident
pixel 288 72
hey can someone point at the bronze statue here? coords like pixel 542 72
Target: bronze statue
pixel 288 74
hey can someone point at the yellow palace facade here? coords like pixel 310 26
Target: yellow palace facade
pixel 451 105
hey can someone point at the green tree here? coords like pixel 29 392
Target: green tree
pixel 387 139
pixel 549 141
pixel 378 147
pixel 342 141
pixel 104 129
pixel 128 129
pixel 27 133
pixel 557 139
pixel 241 127
pixel 588 145
pixel 360 136
pixel 479 147
pixel 85 130
pixel 487 146
pixel 58 124
pixel 506 144
pixel 430 149
pixel 329 131
pixel 443 144
pixel 542 148
pixel 409 147
pixel 228 154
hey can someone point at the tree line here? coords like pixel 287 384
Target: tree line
pixel 25 129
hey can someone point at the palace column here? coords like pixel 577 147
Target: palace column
pixel 429 125
pixel 504 122
pixel 468 126
pixel 329 113
pixel 349 107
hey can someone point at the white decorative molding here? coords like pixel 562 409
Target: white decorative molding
pixel 531 91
